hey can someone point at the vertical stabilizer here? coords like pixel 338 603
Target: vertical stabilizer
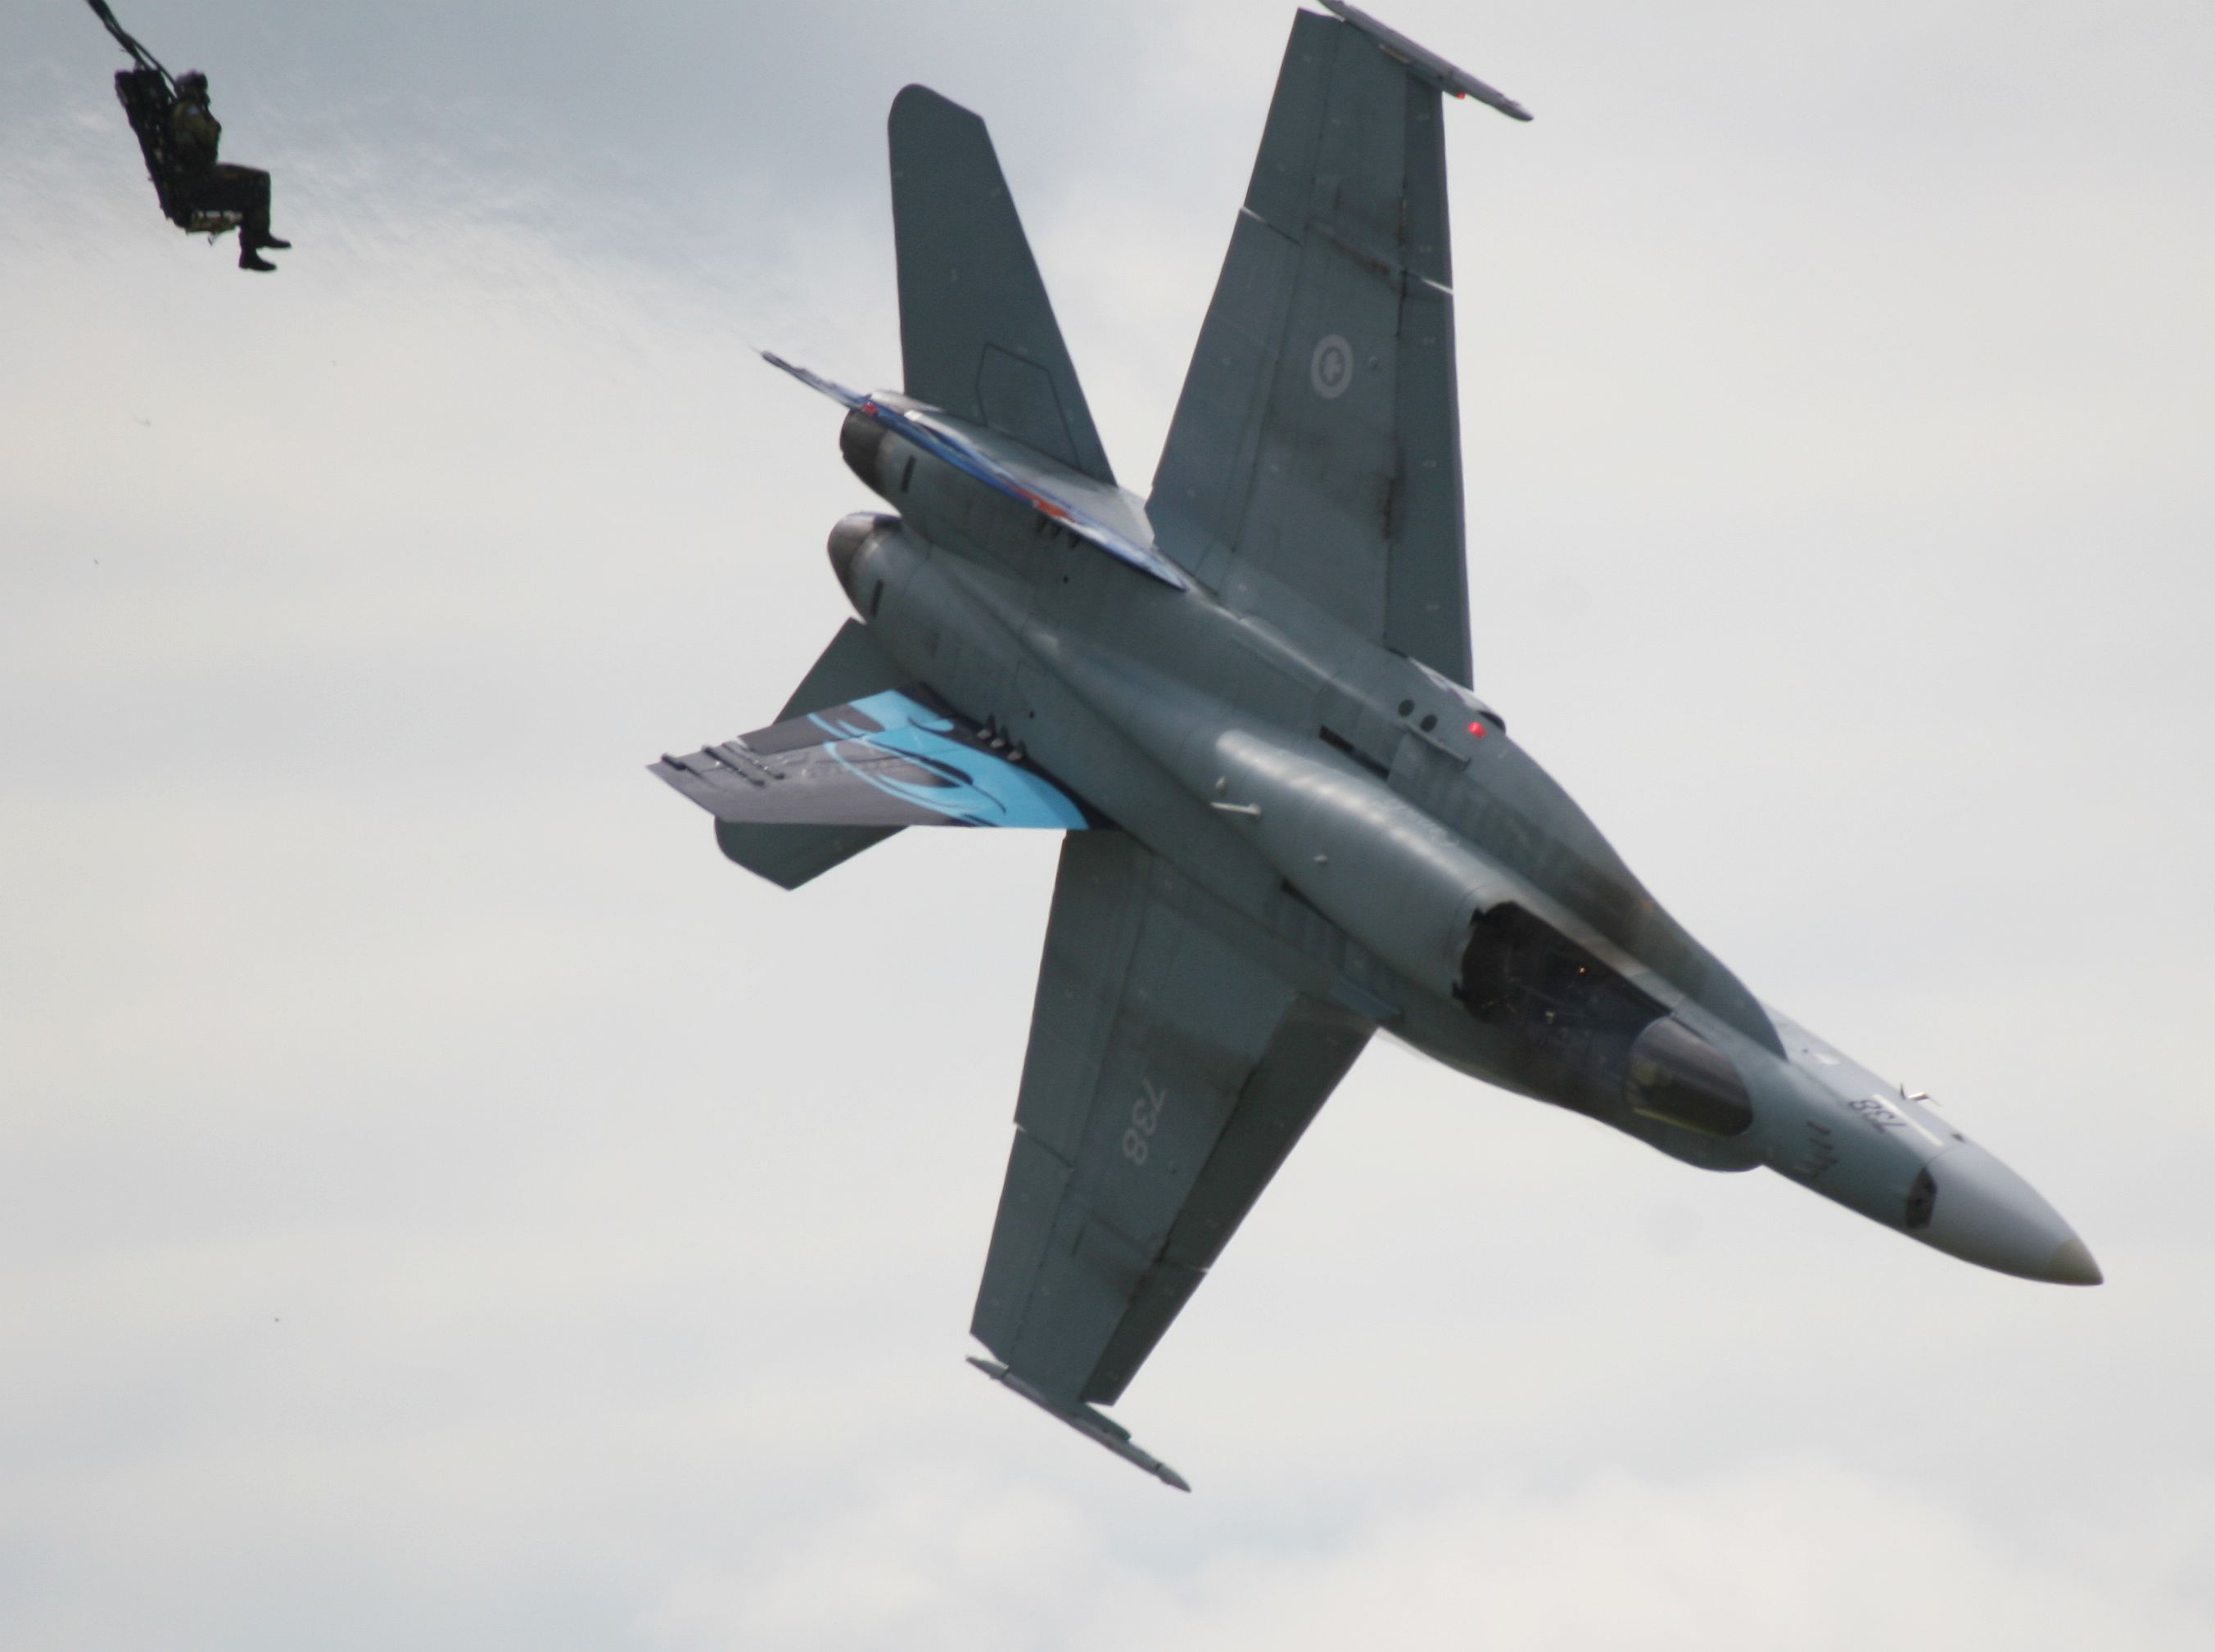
pixel 977 330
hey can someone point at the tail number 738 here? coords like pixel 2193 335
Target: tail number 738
pixel 1145 1119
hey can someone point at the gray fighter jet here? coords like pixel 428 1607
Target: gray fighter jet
pixel 1246 699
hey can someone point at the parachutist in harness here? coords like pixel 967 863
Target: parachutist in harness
pixel 216 186
pixel 179 134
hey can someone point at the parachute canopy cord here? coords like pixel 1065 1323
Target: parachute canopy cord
pixel 139 54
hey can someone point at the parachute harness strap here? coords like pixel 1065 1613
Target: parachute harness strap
pixel 138 54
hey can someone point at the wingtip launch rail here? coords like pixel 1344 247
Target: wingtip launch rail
pixel 1426 63
pixel 1087 1422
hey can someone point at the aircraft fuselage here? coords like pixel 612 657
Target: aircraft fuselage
pixel 1389 845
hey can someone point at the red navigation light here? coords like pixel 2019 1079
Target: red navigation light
pixel 1477 729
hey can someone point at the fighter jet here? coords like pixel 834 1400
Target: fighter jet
pixel 1246 698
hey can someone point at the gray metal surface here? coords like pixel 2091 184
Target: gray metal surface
pixel 789 856
pixel 1419 60
pixel 1169 1071
pixel 1103 1430
pixel 1309 826
pixel 1316 454
pixel 977 330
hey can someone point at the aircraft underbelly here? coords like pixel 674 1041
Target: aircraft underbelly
pixel 1349 891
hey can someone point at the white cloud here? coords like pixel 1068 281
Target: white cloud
pixel 444 1204
pixel 1800 1553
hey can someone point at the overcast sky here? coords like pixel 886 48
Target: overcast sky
pixel 445 1205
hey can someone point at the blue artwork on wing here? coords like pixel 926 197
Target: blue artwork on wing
pixel 924 758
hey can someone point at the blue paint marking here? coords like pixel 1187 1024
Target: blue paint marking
pixel 982 789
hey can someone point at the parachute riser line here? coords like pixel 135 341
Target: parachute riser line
pixel 138 54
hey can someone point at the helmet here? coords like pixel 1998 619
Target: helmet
pixel 192 81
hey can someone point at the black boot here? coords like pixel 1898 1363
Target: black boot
pixel 249 258
pixel 275 245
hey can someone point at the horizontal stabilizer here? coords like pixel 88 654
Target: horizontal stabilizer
pixel 886 761
pixel 1087 1422
pixel 852 667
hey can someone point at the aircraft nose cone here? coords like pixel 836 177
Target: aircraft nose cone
pixel 2072 1264
pixel 1985 1213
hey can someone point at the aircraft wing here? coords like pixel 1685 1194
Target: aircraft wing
pixel 886 760
pixel 1168 1077
pixel 1315 452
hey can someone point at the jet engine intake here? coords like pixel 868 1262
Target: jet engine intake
pixel 1678 1077
pixel 1518 971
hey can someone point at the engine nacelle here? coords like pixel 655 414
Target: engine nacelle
pixel 861 442
pixel 937 498
pixel 1396 880
pixel 854 547
pixel 1679 1078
